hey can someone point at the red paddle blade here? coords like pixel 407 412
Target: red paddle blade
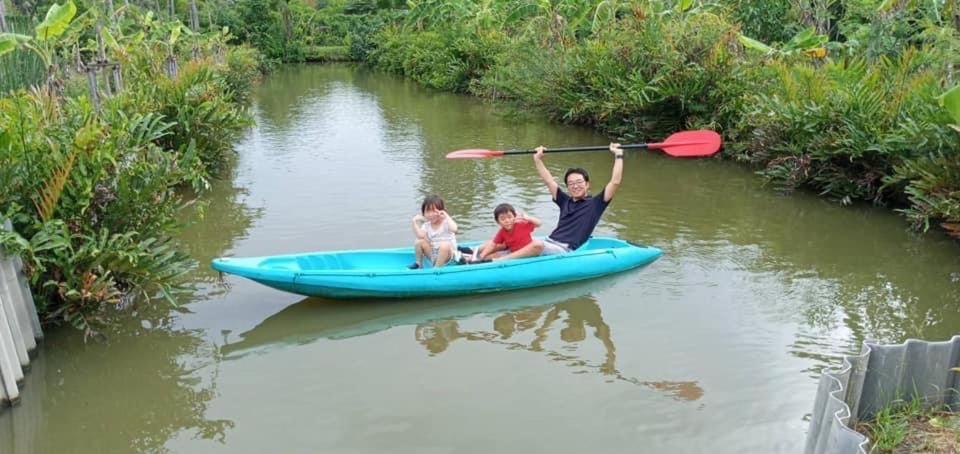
pixel 474 153
pixel 690 144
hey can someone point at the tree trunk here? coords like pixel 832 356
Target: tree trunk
pixel 194 16
pixel 170 4
pixel 110 11
pixel 92 85
pixel 3 17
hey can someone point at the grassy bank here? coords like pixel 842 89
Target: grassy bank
pixel 909 428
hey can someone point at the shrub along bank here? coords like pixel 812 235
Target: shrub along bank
pixel 94 158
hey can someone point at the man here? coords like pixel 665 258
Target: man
pixel 579 211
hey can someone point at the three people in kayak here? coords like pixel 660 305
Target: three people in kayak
pixel 579 214
pixel 579 211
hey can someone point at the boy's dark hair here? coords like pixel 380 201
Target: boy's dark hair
pixel 432 201
pixel 586 176
pixel 503 208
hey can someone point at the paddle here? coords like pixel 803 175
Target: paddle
pixel 684 144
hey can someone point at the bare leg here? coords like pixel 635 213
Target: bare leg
pixel 532 249
pixel 485 249
pixel 444 252
pixel 421 248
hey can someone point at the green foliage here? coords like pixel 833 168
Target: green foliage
pixel 87 271
pixel 94 195
pixel 635 76
pixel 842 128
pixel 445 60
pixel 280 29
pixel 57 20
pixel 804 41
pixel 765 20
pixel 243 69
pixel 328 53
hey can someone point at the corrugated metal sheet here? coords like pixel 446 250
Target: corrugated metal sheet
pixel 878 376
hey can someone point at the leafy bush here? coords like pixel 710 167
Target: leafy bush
pixel 446 60
pixel 636 76
pixel 94 193
pixel 765 20
pixel 842 128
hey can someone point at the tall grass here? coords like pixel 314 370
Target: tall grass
pixel 19 69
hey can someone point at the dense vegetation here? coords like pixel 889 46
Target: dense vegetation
pixel 96 154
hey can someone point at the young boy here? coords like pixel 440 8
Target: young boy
pixel 514 239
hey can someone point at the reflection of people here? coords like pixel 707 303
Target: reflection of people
pixel 514 239
pixel 437 336
pixel 579 314
pixel 436 233
pixel 579 211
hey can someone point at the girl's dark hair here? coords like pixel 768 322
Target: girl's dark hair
pixel 503 208
pixel 586 176
pixel 432 201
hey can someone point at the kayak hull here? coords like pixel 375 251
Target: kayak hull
pixel 383 273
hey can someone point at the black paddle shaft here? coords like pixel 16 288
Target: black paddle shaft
pixel 634 146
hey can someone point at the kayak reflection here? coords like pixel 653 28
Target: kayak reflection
pixel 318 318
pixel 522 320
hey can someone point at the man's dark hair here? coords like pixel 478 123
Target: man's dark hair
pixel 503 208
pixel 572 170
pixel 432 201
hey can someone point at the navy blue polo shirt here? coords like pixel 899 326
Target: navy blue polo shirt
pixel 577 218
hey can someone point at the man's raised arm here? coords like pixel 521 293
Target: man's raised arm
pixel 544 172
pixel 614 183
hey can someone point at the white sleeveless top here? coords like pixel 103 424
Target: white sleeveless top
pixel 441 233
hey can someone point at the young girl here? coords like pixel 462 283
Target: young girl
pixel 436 233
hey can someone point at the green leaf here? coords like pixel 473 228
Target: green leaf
pixel 805 39
pixel 751 43
pixel 951 101
pixel 684 5
pixel 175 34
pixel 57 20
pixel 10 41
pixel 109 40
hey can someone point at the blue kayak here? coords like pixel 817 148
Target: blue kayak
pixel 383 273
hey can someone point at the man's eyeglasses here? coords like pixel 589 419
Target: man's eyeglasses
pixel 576 183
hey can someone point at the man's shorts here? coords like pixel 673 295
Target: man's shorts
pixel 554 247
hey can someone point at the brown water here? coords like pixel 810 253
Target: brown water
pixel 716 347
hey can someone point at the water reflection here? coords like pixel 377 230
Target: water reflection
pixel 317 318
pixel 131 393
pixel 223 220
pixel 522 320
pixel 529 330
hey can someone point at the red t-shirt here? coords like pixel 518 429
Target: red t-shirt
pixel 517 237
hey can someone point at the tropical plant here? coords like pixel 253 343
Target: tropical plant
pixel 842 128
pixel 44 43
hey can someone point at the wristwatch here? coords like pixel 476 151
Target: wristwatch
pixel 619 156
